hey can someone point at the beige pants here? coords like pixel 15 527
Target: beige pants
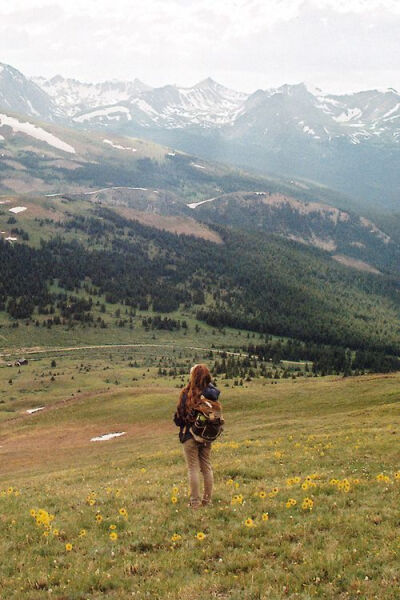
pixel 198 460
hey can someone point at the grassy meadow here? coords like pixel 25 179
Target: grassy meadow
pixel 307 485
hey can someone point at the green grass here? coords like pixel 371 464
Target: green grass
pixel 347 546
pixel 60 336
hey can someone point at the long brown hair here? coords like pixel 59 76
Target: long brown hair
pixel 199 379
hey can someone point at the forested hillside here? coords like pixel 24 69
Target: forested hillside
pixel 251 281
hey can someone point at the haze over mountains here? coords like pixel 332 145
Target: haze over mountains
pixel 349 142
pixel 360 116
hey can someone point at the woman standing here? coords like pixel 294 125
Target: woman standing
pixel 197 454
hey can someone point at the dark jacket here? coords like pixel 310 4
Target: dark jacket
pixel 211 392
pixel 180 418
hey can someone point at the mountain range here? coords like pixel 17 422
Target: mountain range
pixel 357 117
pixel 349 142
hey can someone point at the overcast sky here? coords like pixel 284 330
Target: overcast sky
pixel 337 45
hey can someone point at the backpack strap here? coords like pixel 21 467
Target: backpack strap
pixel 183 410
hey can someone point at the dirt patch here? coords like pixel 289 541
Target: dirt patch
pixel 174 224
pixel 347 261
pixel 66 444
pixel 19 186
pixel 305 208
pixel 38 210
pixel 14 165
pixel 325 244
pixel 65 164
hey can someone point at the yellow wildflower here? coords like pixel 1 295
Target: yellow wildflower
pixel 249 522
pixel 307 504
pixel 238 499
pixel 174 499
pixel 68 547
pixel 113 536
pixel 82 533
pixel 176 537
pixel 265 516
pixel 99 518
pixel 200 536
pixel 123 512
pixel 113 527
pixel 273 492
pixel 291 502
pixel 262 494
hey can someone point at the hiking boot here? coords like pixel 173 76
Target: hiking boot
pixel 206 502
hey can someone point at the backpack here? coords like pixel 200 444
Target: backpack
pixel 209 422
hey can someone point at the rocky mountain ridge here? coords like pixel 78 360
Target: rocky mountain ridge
pixel 294 109
pixel 362 115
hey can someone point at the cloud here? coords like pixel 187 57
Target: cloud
pixel 249 43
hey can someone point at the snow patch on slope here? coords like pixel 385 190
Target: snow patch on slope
pixel 17 209
pixel 111 112
pixel 196 204
pixel 31 411
pixel 107 436
pixel 118 147
pixel 36 132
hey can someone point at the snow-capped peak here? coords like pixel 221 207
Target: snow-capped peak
pixel 308 109
pixel 74 96
pixel 19 94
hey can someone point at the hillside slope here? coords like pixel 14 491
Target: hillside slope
pixel 328 440
pixel 251 280
pixel 341 233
